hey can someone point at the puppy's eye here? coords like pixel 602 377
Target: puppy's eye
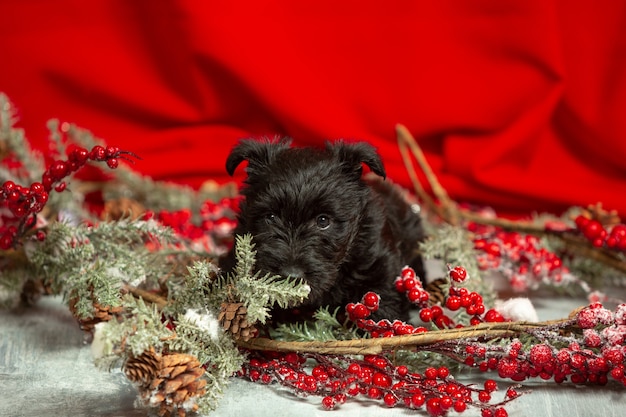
pixel 323 221
pixel 270 218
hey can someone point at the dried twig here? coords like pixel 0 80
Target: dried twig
pixel 450 212
pixel 376 346
pixel 379 345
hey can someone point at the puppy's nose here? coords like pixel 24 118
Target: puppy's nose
pixel 292 271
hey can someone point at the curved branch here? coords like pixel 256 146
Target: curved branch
pixel 379 345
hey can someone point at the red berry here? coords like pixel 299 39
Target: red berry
pixel 511 393
pixel 436 311
pixel 6 241
pixel 8 186
pixel 37 188
pixel 540 355
pixel 407 272
pixel 97 153
pixel 430 373
pixel 111 151
pixel 433 407
pixel 329 402
pixel 79 155
pixel 493 316
pixel 60 187
pixel 414 295
pixel 360 311
pixel 354 368
pixel 58 169
pixel 458 274
pixel 592 229
pixel 381 380
pixel 409 283
pixel 371 300
pixel 484 396
pixel 402 370
pixel 500 412
pixel 453 302
pixel 460 406
pixel 113 163
pixel 446 402
pixel 426 315
pixel 490 385
pixel 418 400
pixel 374 393
pixel 390 399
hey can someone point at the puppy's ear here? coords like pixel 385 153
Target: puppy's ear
pixel 353 155
pixel 258 153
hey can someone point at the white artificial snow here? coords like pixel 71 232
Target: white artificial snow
pixel 205 320
pixel 517 309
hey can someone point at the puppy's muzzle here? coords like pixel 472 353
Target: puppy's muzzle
pixel 292 271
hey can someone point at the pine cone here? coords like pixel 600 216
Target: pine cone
pixel 233 318
pixel 605 217
pixel 142 369
pixel 167 381
pixel 122 208
pixel 100 313
pixel 437 291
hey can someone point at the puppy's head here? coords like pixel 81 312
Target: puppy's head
pixel 303 206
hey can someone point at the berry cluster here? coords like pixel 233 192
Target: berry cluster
pixel 362 310
pixel 359 313
pixel 23 203
pixel 410 284
pixel 374 377
pixel 211 231
pixel 457 298
pixel 613 238
pixel 519 257
pixel 598 355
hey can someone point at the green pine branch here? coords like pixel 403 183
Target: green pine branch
pixel 93 263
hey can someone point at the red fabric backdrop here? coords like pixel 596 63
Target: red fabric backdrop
pixel 519 104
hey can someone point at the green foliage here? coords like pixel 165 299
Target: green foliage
pixel 217 350
pixel 93 263
pixel 257 293
pixel 16 143
pixel 11 283
pixel 324 327
pixel 141 329
pixel 196 289
pixel 453 246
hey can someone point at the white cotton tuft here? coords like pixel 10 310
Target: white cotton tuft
pixel 100 347
pixel 517 309
pixel 204 320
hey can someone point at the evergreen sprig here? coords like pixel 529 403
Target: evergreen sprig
pixel 15 142
pixel 453 246
pixel 260 293
pixel 324 327
pixel 199 288
pixel 92 263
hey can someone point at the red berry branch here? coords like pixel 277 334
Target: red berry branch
pixel 24 202
pixel 339 378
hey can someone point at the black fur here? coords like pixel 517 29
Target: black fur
pixel 313 215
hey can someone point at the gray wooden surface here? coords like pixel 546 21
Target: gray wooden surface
pixel 46 370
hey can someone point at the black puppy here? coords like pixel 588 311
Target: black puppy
pixel 312 215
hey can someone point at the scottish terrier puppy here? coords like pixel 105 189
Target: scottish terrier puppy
pixel 313 215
